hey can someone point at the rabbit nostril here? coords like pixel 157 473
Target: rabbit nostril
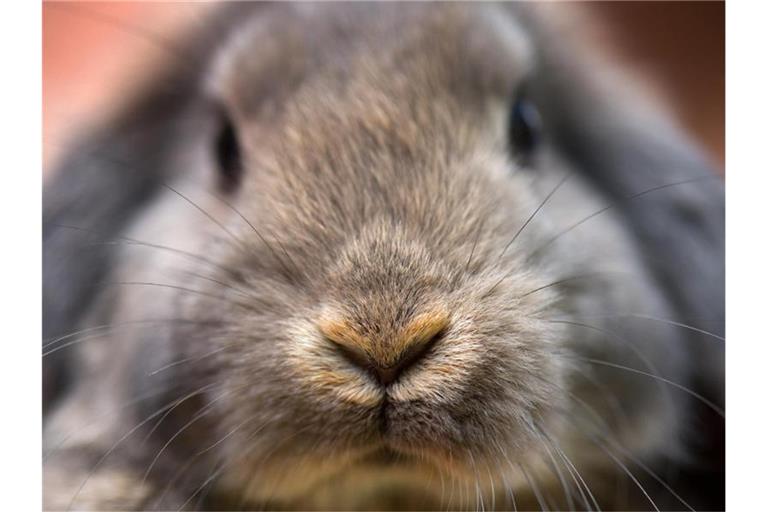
pixel 355 356
pixel 415 352
pixel 387 357
pixel 386 374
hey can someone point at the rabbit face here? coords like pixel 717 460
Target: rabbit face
pixel 378 283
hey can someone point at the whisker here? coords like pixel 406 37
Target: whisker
pixel 212 476
pixel 214 473
pixel 120 240
pixel 493 489
pixel 281 471
pixel 126 436
pixel 556 467
pixel 609 397
pixel 606 433
pixel 202 413
pixel 52 341
pixel 188 360
pixel 172 481
pixel 127 324
pixel 507 486
pixel 125 405
pixel 263 239
pixel 569 279
pixel 578 479
pixel 640 355
pixel 452 482
pixel 207 215
pixel 442 481
pixel 613 205
pixel 569 463
pixel 478 493
pixel 227 286
pixel 686 390
pixel 535 488
pixel 678 324
pixel 653 475
pixel 509 491
pixel 519 231
pixel 657 319
pixel 173 287
pixel 197 455
pixel 474 246
pixel 535 212
pixel 627 471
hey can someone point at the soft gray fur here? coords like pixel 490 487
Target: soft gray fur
pixel 203 341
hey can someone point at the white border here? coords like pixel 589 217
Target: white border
pixel 746 255
pixel 20 226
pixel 747 258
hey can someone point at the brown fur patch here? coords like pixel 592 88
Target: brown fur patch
pixel 411 338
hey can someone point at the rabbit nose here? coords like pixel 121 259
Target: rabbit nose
pixel 385 373
pixel 386 357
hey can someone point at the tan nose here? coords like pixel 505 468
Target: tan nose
pixel 386 357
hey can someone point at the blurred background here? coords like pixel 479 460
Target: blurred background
pixel 93 50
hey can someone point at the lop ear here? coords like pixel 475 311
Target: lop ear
pixel 106 180
pixel 100 187
pixel 668 192
pixel 672 200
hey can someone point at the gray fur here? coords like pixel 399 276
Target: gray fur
pixel 379 195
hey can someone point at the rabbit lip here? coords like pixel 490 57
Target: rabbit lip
pixel 382 419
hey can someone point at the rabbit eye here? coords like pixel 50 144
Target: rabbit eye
pixel 524 128
pixel 228 155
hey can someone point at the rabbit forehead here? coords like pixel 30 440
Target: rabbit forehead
pixel 466 50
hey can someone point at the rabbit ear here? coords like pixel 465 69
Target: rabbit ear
pixel 665 188
pixel 107 179
pixel 669 195
pixel 102 184
pixel 90 199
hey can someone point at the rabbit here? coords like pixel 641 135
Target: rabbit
pixel 383 256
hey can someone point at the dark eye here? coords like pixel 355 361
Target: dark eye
pixel 228 155
pixel 524 128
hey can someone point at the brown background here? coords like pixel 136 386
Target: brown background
pixel 93 49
